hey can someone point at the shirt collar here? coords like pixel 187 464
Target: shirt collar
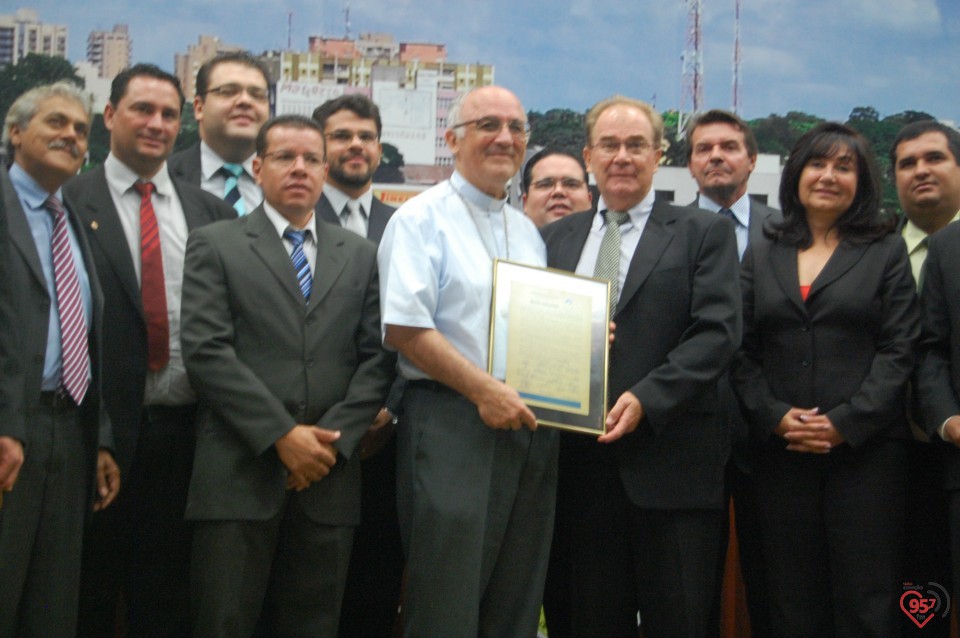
pixel 914 237
pixel 637 212
pixel 740 208
pixel 119 173
pixel 475 196
pixel 281 223
pixel 28 190
pixel 211 162
pixel 338 199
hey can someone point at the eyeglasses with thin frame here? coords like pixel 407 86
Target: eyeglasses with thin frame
pixel 343 136
pixel 232 90
pixel 286 159
pixel 550 183
pixel 636 146
pixel 491 125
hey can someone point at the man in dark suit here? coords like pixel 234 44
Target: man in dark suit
pixel 231 104
pixel 351 126
pixel 287 395
pixel 937 380
pixel 924 157
pixel 643 505
pixel 721 155
pixel 137 218
pixel 53 421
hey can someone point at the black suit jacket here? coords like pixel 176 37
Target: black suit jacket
pixel 849 349
pixel 937 380
pixel 185 165
pixel 678 326
pixel 125 333
pixel 262 360
pixel 31 306
pixel 760 215
pixel 377 218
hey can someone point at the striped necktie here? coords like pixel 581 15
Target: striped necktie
pixel 608 259
pixel 74 348
pixel 231 187
pixel 153 289
pixel 299 259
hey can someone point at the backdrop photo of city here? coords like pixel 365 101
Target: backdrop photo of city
pixel 876 65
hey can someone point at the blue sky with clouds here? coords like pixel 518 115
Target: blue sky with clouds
pixel 823 57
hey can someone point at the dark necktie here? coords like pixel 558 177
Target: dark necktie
pixel 153 290
pixel 74 349
pixel 726 212
pixel 299 259
pixel 608 259
pixel 231 187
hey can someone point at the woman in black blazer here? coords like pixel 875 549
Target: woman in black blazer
pixel 830 321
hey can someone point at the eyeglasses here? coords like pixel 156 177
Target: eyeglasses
pixel 550 183
pixel 343 136
pixel 636 147
pixel 491 125
pixel 286 159
pixel 231 91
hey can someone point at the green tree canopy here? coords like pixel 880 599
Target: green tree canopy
pixel 33 71
pixel 389 170
pixel 562 129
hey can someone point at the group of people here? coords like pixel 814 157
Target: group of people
pixel 243 397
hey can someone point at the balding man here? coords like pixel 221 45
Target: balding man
pixel 476 478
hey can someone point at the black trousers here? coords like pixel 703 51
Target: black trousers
pixel 833 529
pixel 612 559
pixel 138 549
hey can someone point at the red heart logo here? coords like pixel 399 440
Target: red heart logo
pixel 917 606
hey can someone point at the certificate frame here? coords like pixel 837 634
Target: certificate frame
pixel 534 307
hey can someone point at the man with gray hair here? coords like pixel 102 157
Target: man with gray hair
pixel 61 423
pixel 475 477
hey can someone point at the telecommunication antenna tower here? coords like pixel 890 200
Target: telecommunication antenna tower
pixel 346 20
pixel 289 30
pixel 737 98
pixel 691 96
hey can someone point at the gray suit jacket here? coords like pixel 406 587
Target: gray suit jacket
pixel 376 221
pixel 31 306
pixel 125 334
pixel 262 361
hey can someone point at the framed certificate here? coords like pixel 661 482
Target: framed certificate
pixel 549 331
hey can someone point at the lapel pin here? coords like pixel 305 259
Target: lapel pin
pixel 94 225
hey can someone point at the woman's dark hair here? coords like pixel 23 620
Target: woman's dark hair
pixel 861 223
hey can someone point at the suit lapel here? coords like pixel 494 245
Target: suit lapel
pixel 570 245
pixel 377 220
pixel 783 264
pixel 842 260
pixel 195 211
pixel 268 246
pixel 325 211
pixel 655 238
pixel 102 220
pixel 20 235
pixel 331 261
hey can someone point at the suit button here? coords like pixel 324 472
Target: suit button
pixel 301 405
pixel 805 363
pixel 805 328
pixel 310 321
pixel 309 363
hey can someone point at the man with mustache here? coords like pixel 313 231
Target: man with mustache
pixel 475 476
pixel 52 420
pixel 924 157
pixel 554 185
pixel 137 218
pixel 352 126
pixel 721 155
pixel 231 104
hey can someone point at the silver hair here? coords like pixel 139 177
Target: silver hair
pixel 26 106
pixel 453 114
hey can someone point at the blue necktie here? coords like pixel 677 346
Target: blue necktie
pixel 231 187
pixel 299 259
